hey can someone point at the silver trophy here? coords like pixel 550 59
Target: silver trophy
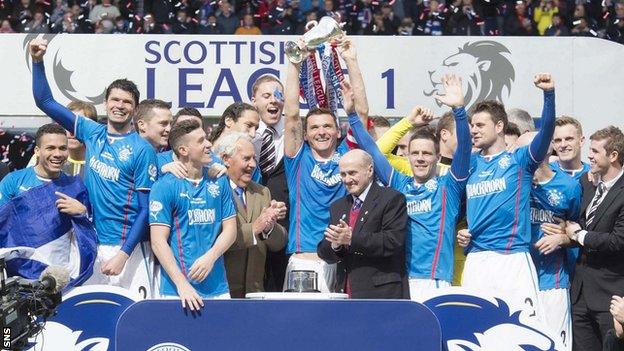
pixel 318 33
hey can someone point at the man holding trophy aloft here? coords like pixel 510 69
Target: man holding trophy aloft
pixel 311 146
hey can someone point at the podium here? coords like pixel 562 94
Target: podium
pixel 279 325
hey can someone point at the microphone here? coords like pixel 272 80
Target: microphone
pixel 54 278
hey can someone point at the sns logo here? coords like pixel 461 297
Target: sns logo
pixel 155 207
pixel 86 319
pixel 475 323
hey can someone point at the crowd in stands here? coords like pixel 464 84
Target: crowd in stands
pixel 593 18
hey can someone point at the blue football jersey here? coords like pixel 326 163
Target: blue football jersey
pixel 194 212
pixel 574 173
pixel 117 166
pixel 19 181
pixel 559 197
pixel 497 201
pixel 433 209
pixel 163 158
pixel 166 157
pixel 313 186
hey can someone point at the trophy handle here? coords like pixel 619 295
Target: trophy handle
pixel 311 24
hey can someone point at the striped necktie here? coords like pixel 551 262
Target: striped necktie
pixel 591 214
pixel 267 151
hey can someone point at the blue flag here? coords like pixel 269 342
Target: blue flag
pixel 34 234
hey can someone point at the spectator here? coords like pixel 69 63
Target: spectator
pixel 519 23
pixel 431 21
pixel 463 19
pixel 543 15
pixel 301 27
pixel 391 21
pixel 121 26
pixel 150 26
pixel 406 27
pixel 211 26
pixel 227 19
pixel 57 13
pixel 581 28
pixel 378 26
pixel 615 29
pixel 37 25
pixel 104 26
pixel 105 10
pixel 248 27
pixel 558 27
pixel 183 24
pixel 5 27
pixel 281 17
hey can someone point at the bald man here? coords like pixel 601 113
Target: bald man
pixel 366 234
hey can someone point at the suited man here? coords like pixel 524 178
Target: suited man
pixel 256 218
pixel 366 234
pixel 599 270
pixel 267 97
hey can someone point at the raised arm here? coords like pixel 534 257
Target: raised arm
pixel 347 51
pixel 453 97
pixel 41 88
pixel 364 140
pixel 541 142
pixel 293 127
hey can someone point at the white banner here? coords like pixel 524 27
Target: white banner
pixel 211 72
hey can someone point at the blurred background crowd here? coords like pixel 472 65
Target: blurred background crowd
pixel 595 18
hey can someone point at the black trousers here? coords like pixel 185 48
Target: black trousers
pixel 589 327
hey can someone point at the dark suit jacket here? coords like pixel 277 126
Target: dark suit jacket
pixel 244 261
pixel 599 270
pixel 276 182
pixel 375 260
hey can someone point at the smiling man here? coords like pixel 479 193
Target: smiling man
pixel 52 152
pixel 121 168
pixel 192 222
pixel 567 141
pixel 369 243
pixel 311 158
pixel 153 122
pixel 256 217
pixel 433 202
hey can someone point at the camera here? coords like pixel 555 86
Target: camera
pixel 25 305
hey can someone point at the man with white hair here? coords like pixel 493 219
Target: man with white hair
pixel 522 119
pixel 257 230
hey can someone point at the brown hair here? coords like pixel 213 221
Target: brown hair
pixel 494 108
pixel 262 79
pixel 88 109
pixel 565 120
pixel 615 141
pixel 144 110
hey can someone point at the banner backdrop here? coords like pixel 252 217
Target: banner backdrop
pixel 210 72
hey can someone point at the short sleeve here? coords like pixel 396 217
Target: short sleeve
pixel 145 170
pixel 161 206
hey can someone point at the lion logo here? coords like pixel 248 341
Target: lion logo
pixel 486 70
pixel 472 323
